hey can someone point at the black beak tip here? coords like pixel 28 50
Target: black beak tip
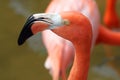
pixel 25 34
pixel 26 31
pixel 20 42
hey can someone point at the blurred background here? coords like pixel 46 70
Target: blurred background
pixel 24 63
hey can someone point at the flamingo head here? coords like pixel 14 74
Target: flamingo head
pixel 39 22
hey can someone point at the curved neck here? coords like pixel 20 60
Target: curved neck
pixel 80 67
pixel 82 46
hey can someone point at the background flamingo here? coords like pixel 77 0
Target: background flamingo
pixel 111 20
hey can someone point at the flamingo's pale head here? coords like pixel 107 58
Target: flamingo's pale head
pixel 39 22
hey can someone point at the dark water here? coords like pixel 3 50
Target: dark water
pixel 24 63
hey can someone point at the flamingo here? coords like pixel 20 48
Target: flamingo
pixel 61 52
pixel 63 47
pixel 65 25
pixel 90 26
pixel 111 19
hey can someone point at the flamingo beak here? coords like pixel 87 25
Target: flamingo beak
pixel 26 31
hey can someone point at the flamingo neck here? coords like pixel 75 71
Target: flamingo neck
pixel 82 44
pixel 80 66
pixel 110 5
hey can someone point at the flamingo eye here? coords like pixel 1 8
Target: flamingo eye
pixel 66 22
